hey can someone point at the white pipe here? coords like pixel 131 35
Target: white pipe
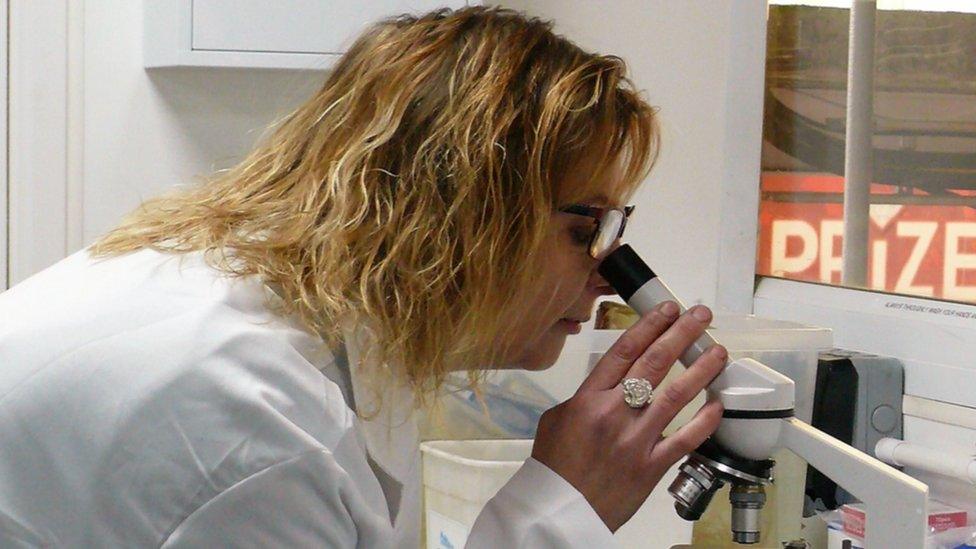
pixel 859 151
pixel 899 452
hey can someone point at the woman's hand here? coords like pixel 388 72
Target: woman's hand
pixel 613 454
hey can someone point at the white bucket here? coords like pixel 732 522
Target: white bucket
pixel 460 476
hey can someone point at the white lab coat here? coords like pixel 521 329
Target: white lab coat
pixel 148 400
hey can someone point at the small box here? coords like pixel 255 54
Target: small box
pixel 941 517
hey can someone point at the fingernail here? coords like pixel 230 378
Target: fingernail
pixel 669 309
pixel 719 352
pixel 701 313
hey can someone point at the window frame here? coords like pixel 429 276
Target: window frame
pixel 45 135
pixel 4 186
pixel 933 347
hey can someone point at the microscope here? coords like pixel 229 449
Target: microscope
pixel 759 419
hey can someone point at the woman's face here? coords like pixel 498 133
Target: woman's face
pixel 566 291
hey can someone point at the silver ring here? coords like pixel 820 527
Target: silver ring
pixel 637 392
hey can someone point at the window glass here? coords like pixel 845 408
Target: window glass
pixel 922 213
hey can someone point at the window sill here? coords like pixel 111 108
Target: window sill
pixel 934 339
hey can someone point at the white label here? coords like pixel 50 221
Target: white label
pixel 445 533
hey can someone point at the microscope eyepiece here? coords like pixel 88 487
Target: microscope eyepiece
pixel 625 271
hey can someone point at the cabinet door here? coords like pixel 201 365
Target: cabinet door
pixel 283 34
pixel 292 26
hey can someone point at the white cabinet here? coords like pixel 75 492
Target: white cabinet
pixel 287 34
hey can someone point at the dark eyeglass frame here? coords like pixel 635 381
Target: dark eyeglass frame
pixel 597 213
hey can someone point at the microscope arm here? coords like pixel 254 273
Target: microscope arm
pixel 897 504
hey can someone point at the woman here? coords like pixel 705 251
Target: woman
pixel 237 364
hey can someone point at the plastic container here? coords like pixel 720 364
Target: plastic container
pixel 790 348
pixel 459 477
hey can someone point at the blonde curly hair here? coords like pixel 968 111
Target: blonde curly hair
pixel 412 192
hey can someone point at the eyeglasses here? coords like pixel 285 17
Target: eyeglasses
pixel 610 225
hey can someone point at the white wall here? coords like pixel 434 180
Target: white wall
pixel 3 145
pixel 144 132
pixel 701 62
pixel 93 134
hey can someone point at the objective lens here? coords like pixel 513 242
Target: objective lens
pixel 693 489
pixel 747 501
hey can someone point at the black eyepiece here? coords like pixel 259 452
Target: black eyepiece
pixel 625 271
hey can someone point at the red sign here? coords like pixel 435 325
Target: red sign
pixel 925 250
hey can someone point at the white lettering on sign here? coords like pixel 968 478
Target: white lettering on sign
pixel 816 245
pixel 879 264
pixel 956 261
pixel 831 257
pixel 924 232
pixel 783 230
